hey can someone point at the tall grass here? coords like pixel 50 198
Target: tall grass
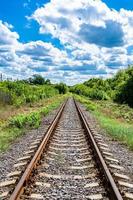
pixel 20 93
pixel 20 124
pixel 119 130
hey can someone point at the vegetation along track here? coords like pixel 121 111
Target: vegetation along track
pixel 69 162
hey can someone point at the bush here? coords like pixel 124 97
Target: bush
pixel 98 95
pixel 37 80
pixel 81 89
pixel 31 120
pixel 125 94
pixel 34 118
pixel 18 121
pixel 90 106
pixel 62 88
pixel 19 92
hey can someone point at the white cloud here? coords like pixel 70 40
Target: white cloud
pixel 97 42
pixel 92 32
pixel 66 19
pixel 7 37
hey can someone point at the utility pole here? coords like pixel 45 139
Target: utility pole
pixel 1 77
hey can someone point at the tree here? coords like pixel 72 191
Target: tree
pixel 125 95
pixel 47 82
pixel 37 80
pixel 62 88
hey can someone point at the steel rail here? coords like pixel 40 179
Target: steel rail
pixel 32 165
pixel 110 184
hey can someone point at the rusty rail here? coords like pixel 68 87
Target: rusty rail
pixel 110 184
pixel 27 173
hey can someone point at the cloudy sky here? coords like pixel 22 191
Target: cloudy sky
pixel 65 40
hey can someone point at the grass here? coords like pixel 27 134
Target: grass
pixel 9 111
pixel 18 125
pixel 118 130
pixel 121 112
pixel 8 135
pixel 114 118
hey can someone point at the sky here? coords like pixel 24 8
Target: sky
pixel 65 40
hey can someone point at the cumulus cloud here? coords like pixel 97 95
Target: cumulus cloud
pixel 109 36
pixel 96 40
pixel 91 31
pixel 7 37
pixel 83 20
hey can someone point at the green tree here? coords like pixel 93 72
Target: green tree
pixel 47 82
pixel 37 80
pixel 125 95
pixel 62 88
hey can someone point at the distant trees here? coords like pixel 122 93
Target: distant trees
pixel 94 88
pixel 47 82
pixel 62 88
pixel 21 92
pixel 119 88
pixel 125 94
pixel 38 80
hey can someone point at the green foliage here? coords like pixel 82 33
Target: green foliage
pixel 37 80
pixel 33 119
pixel 121 131
pixel 17 125
pixel 80 89
pixel 7 136
pixel 20 92
pixel 112 120
pixel 121 112
pixel 90 106
pixel 98 95
pixel 119 88
pixel 92 93
pixel 62 88
pixel 125 94
pixel 18 121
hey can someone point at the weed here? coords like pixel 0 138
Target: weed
pixel 19 124
pixel 118 130
pixel 114 118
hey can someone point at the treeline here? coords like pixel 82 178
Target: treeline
pixel 21 92
pixel 119 88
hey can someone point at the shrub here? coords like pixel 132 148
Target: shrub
pixel 20 92
pixel 18 121
pixel 62 88
pixel 37 79
pixel 98 95
pixel 33 120
pixel 90 106
pixel 125 94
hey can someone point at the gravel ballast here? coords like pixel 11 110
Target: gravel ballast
pixel 64 166
pixel 119 150
pixel 9 158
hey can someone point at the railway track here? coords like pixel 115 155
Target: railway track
pixel 71 161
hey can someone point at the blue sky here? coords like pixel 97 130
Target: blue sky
pixel 66 40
